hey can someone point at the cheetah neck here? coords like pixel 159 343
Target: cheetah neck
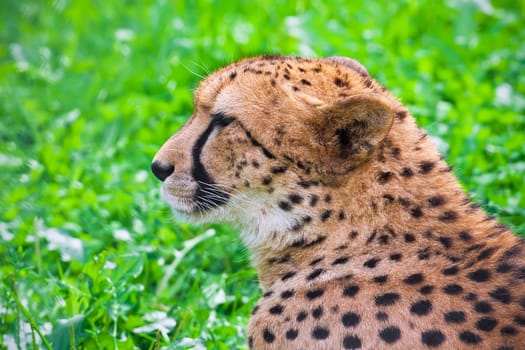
pixel 413 210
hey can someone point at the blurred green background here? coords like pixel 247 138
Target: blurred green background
pixel 89 90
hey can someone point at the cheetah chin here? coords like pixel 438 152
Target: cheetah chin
pixel 360 233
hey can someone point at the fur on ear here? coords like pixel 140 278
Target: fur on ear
pixel 350 63
pixel 349 131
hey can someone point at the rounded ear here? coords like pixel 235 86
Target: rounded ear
pixel 350 130
pixel 350 63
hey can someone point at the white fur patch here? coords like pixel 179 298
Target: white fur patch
pixel 256 215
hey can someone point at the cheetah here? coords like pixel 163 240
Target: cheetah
pixel 360 233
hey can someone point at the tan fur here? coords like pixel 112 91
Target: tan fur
pixel 361 235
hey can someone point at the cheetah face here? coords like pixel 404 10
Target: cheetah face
pixel 262 132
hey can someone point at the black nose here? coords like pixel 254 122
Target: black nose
pixel 162 170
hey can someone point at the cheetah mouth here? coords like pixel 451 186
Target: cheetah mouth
pixel 192 200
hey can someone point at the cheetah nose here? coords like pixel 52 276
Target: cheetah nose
pixel 161 170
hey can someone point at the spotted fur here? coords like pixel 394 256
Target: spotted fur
pixel 360 233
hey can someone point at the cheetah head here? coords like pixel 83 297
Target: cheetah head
pixel 262 131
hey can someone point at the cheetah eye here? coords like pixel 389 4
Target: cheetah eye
pixel 221 120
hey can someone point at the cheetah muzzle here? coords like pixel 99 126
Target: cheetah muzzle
pixel 361 235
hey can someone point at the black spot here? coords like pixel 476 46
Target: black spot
pixel 255 309
pixel 386 299
pixel 295 198
pixel 384 176
pixel 416 212
pixel 432 338
pixel 313 199
pixel 292 333
pixel 453 289
pixel 325 215
pixel 317 312
pixel 480 275
pixel 448 216
pixel 486 254
pixel 316 261
pixel 501 295
pixel 395 151
pixel 233 75
pixel 504 267
pixel 451 271
pixel 483 307
pixel 341 260
pixel 455 317
pixel 250 342
pixel 372 236
pixel 350 290
pixel 421 308
pixel 352 342
pixel 508 330
pixel 436 201
pixel 350 319
pixel 426 167
pixel 268 336
pixel 423 254
pixel 388 198
pixel 314 274
pixel 298 243
pixel 287 294
pixel 474 247
pixel 519 320
pixel 414 278
pixel 318 240
pixel 407 172
pixel 465 236
pixel 314 293
pixel 404 201
pixel 267 180
pixel 371 263
pixel 327 198
pixel 486 324
pixel 279 169
pixel 308 184
pixel 401 115
pixel 288 275
pixel 380 279
pixel 395 256
pixel 305 82
pixel 340 83
pixel 341 215
pixel 469 337
pixel 390 334
pixel 426 289
pixel 446 242
pixel 382 316
pixel 471 297
pixel 409 238
pixel 267 294
pixel 277 309
pixel 320 333
pixel 284 205
pixel 301 316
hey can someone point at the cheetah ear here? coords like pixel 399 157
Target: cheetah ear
pixel 350 63
pixel 350 130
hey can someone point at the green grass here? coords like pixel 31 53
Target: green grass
pixel 89 90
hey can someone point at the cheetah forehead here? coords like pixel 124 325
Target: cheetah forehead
pixel 281 84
